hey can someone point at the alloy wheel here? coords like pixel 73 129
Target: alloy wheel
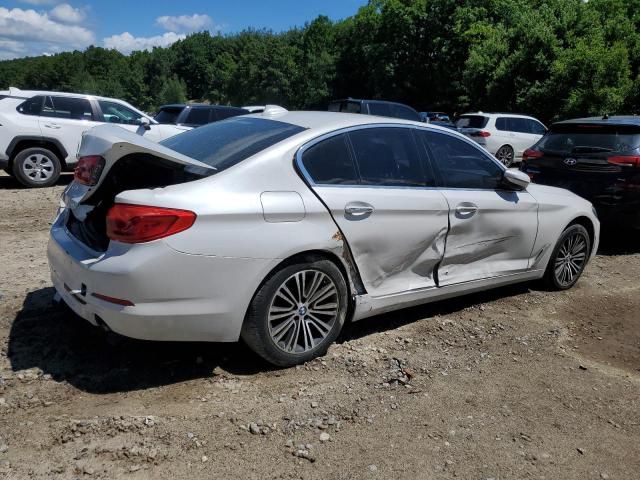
pixel 570 259
pixel 303 311
pixel 38 167
pixel 505 156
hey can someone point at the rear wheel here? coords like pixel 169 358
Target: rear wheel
pixel 297 313
pixel 505 155
pixel 36 167
pixel 568 258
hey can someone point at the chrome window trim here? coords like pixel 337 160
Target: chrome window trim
pixel 309 180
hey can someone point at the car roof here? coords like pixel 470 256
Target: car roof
pixel 16 92
pixel 208 105
pixel 630 120
pixel 322 121
pixel 496 114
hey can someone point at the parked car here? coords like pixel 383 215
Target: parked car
pixel 279 228
pixel 195 114
pixel 41 131
pixel 254 108
pixel 505 135
pixel 375 107
pixel 598 159
pixel 429 117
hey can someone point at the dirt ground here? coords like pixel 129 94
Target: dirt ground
pixel 516 383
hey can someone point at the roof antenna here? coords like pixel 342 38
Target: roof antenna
pixel 605 116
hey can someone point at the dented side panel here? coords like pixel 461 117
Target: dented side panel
pixel 495 239
pixel 398 245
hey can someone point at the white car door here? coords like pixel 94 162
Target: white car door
pixel 373 183
pixel 492 229
pixel 130 119
pixel 66 119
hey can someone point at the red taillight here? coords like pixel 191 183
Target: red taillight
pixel 89 169
pixel 625 161
pixel 141 223
pixel 481 133
pixel 531 153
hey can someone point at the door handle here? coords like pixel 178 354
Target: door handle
pixel 52 125
pixel 358 209
pixel 466 209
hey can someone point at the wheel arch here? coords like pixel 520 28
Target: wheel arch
pixel 587 223
pixel 346 267
pixel 23 142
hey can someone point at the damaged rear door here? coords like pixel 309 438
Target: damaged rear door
pixel 374 184
pixel 492 229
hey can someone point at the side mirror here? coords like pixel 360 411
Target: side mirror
pixel 145 123
pixel 516 180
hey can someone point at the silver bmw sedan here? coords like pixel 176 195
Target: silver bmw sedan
pixel 279 227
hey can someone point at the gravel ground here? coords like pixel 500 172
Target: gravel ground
pixel 515 383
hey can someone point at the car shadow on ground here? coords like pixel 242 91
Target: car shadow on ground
pixel 9 183
pixel 61 344
pixel 58 342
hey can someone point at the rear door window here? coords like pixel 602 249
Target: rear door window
pixel 197 116
pixel 221 113
pixel 404 112
pixel 502 124
pixel 461 165
pixel 329 162
pixel 168 115
pixel 381 109
pixel 67 107
pixel 472 121
pixel 388 157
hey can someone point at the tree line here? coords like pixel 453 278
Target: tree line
pixel 549 58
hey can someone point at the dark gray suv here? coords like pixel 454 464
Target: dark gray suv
pixel 375 107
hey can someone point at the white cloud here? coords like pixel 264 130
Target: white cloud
pixel 28 32
pixel 127 43
pixel 65 13
pixel 184 23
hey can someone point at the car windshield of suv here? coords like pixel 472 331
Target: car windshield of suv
pixel 168 115
pixel 228 142
pixel 472 121
pixel 590 139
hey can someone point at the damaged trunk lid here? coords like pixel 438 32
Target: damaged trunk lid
pixel 129 162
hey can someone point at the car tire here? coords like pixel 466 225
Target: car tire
pixel 505 155
pixel 36 167
pixel 568 259
pixel 280 326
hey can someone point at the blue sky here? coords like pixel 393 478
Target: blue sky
pixel 36 27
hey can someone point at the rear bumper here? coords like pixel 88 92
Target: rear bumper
pixel 176 296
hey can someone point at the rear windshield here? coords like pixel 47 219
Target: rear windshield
pixel 226 143
pixel 590 139
pixel 168 115
pixel 472 121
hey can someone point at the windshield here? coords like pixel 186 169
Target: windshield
pixel 228 142
pixel 168 115
pixel 590 139
pixel 472 121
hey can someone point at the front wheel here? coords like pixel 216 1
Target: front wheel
pixel 297 313
pixel 505 154
pixel 569 258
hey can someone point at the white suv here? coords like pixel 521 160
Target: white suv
pixel 505 135
pixel 40 132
